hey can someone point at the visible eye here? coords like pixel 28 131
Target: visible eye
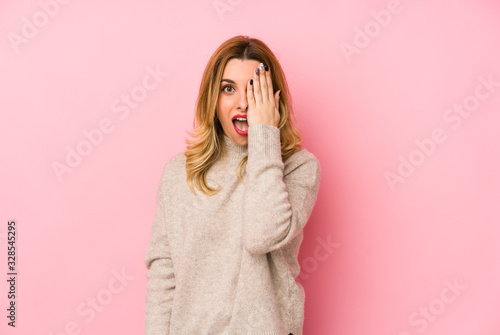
pixel 224 88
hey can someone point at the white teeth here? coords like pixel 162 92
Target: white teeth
pixel 240 119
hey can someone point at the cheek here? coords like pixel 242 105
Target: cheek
pixel 224 106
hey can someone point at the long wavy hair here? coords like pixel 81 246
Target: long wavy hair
pixel 207 147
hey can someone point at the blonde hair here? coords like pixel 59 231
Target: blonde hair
pixel 208 146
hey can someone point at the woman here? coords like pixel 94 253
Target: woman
pixel 224 261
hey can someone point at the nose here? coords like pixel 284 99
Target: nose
pixel 242 101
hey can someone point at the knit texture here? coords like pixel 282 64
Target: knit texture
pixel 227 263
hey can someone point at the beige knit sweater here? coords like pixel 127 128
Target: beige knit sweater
pixel 226 264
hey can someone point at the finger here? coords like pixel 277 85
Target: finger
pixel 250 95
pixel 269 81
pixel 256 88
pixel 263 84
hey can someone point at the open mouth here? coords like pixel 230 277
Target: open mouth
pixel 240 124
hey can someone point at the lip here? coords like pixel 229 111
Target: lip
pixel 239 115
pixel 243 133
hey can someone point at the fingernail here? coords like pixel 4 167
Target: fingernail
pixel 257 71
pixel 261 66
pixel 267 68
pixel 251 81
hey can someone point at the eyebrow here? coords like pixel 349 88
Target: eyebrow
pixel 228 80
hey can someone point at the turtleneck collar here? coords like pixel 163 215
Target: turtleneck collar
pixel 234 152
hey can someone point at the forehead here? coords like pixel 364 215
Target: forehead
pixel 240 70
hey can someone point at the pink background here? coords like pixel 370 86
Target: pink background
pixel 375 259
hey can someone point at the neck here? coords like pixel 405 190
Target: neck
pixel 234 152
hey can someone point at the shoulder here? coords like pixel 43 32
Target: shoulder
pixel 174 169
pixel 303 162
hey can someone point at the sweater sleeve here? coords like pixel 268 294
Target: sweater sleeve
pixel 276 207
pixel 161 279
